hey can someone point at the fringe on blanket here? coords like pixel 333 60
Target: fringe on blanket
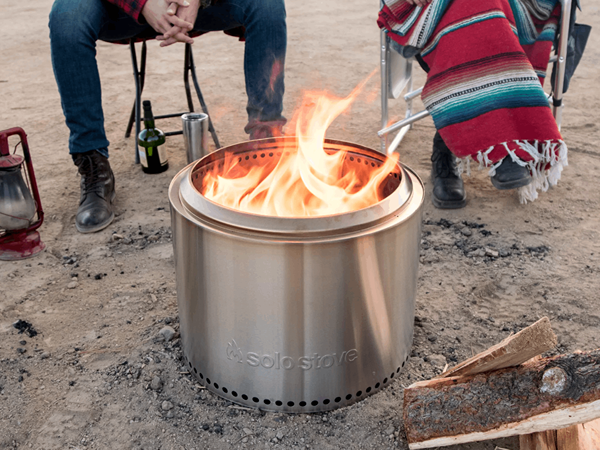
pixel 549 158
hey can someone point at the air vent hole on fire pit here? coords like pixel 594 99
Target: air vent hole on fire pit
pixel 302 403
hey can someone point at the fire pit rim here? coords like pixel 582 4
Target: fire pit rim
pixel 201 207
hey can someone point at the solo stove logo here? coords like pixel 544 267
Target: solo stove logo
pixel 277 361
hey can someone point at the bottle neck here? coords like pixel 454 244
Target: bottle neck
pixel 148 117
pixel 149 122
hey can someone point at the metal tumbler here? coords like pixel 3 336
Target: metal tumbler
pixel 195 135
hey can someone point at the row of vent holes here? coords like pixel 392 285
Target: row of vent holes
pixel 358 160
pixel 262 155
pixel 202 171
pixel 302 403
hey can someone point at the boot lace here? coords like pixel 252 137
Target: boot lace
pixel 93 181
pixel 444 164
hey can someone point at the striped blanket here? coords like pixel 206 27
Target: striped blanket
pixel 487 63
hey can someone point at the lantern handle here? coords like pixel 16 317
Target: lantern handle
pixel 5 151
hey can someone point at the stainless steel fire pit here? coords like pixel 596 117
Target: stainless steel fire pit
pixel 296 314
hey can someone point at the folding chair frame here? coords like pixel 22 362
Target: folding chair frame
pixel 139 75
pixel 403 126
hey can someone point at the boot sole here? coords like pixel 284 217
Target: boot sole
pixel 507 185
pixel 101 226
pixel 445 204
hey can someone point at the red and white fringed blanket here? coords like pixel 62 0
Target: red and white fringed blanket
pixel 487 62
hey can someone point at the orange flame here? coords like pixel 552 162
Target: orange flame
pixel 306 180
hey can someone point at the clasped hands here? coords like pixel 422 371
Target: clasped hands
pixel 173 18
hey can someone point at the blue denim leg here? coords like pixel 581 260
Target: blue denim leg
pixel 74 27
pixel 264 56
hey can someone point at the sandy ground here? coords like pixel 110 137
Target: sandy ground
pixel 97 375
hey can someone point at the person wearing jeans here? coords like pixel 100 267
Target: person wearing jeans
pixel 76 25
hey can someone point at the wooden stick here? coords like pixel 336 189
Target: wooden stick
pixel 512 351
pixel 543 394
pixel 584 436
pixel 544 440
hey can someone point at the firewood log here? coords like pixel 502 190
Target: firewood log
pixel 539 395
pixel 543 440
pixel 584 436
pixel 512 351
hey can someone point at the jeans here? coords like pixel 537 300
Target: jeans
pixel 76 25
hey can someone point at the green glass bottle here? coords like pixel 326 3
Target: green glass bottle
pixel 153 154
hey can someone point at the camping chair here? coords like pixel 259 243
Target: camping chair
pixel 189 71
pixel 139 75
pixel 396 76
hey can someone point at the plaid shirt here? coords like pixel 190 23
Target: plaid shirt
pixel 134 7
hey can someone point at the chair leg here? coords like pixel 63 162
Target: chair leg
pixel 142 77
pixel 186 77
pixel 192 71
pixel 561 61
pixel 138 77
pixel 384 88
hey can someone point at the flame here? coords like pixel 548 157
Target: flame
pixel 305 180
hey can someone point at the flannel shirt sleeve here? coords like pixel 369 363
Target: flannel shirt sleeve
pixel 132 8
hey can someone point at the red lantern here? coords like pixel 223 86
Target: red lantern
pixel 20 206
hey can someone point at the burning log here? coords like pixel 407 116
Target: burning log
pixel 539 395
pixel 584 436
pixel 512 351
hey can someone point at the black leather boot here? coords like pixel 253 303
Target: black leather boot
pixel 97 192
pixel 510 175
pixel 448 187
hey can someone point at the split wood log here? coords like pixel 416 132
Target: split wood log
pixel 542 394
pixel 512 351
pixel 584 436
pixel 543 440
